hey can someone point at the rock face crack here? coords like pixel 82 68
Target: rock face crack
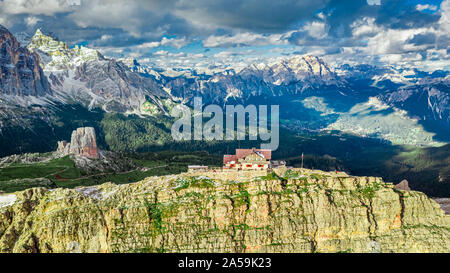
pixel 402 205
pixel 314 242
pixel 373 226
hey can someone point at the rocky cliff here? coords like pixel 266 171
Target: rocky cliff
pixel 83 143
pixel 20 72
pixel 295 212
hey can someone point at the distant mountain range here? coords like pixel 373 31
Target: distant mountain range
pixel 41 73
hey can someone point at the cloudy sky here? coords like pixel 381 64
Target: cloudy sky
pixel 220 33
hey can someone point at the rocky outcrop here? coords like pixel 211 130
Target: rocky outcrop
pixel 403 185
pixel 20 71
pixel 299 212
pixel 82 143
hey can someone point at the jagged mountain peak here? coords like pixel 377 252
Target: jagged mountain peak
pixel 311 70
pixel 308 63
pixel 298 59
pixel 48 44
pixel 57 55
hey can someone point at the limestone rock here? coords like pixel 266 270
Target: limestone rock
pixel 20 71
pixel 300 212
pixel 83 143
pixel 63 147
pixel 404 186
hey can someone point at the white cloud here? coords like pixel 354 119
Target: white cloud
pixel 31 21
pixel 365 27
pixel 374 2
pixel 321 15
pixel 134 17
pixel 173 42
pixel 444 21
pixel 161 53
pixel 391 41
pixel 106 37
pixel 420 7
pixel 315 51
pixel 46 7
pixel 316 29
pixel 148 45
pixel 244 39
pixel 226 54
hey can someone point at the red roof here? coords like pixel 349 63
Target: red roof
pixel 229 158
pixel 242 153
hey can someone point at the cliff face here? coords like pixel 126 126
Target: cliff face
pixel 309 212
pixel 20 71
